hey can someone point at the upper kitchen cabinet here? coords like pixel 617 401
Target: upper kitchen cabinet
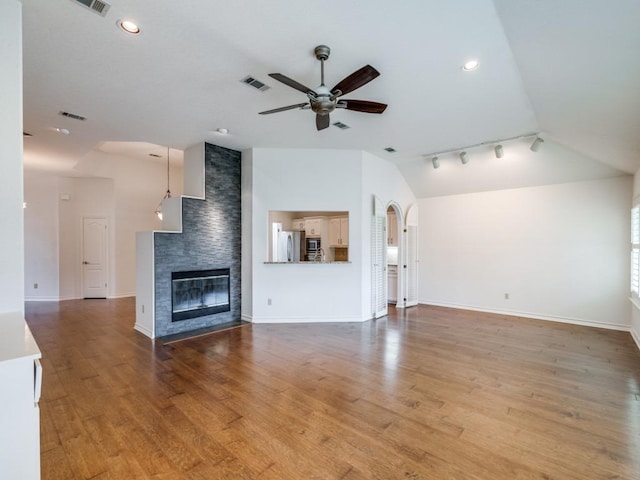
pixel 339 231
pixel 297 224
pixel 314 227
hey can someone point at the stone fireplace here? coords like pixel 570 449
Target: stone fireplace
pixel 206 250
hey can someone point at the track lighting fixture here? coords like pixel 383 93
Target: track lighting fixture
pixel 498 148
pixel 535 146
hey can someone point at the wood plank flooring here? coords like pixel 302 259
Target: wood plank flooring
pixel 425 393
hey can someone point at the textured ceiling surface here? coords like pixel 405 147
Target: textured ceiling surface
pixel 569 70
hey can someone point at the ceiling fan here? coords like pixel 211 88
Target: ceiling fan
pixel 323 101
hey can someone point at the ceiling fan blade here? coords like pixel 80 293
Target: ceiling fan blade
pixel 356 80
pixel 292 83
pixel 322 121
pixel 362 106
pixel 283 109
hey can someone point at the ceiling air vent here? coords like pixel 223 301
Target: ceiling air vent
pixel 98 6
pixel 257 84
pixel 155 155
pixel 341 126
pixel 390 149
pixel 72 115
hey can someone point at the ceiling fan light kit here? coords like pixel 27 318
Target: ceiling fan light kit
pixel 322 100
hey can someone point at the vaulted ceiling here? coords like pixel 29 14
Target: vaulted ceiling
pixel 568 70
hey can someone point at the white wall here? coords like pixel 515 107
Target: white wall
pixel 561 252
pixel 41 246
pixel 635 310
pixel 126 193
pixel 11 212
pixel 303 180
pixel 246 178
pixel 312 180
pixel 382 179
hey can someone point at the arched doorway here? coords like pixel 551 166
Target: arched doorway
pixel 395 255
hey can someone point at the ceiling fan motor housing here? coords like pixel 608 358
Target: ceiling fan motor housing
pixel 322 103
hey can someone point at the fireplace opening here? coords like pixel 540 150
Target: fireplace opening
pixel 198 293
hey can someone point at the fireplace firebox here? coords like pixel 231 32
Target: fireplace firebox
pixel 198 293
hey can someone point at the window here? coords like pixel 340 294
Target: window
pixel 635 251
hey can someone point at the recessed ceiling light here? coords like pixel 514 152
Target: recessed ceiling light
pixel 470 65
pixel 129 27
pixel 222 131
pixel 64 131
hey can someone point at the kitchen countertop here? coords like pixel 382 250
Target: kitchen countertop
pixel 16 340
pixel 304 262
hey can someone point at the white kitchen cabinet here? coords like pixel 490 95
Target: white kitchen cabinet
pixel 392 283
pixel 339 231
pixel 21 380
pixel 297 224
pixel 313 227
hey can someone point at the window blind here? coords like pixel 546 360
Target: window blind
pixel 635 250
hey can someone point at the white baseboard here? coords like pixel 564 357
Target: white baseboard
pixel 307 319
pixel 636 337
pixel 41 299
pixel 123 295
pixel 535 316
pixel 144 330
pixel 246 318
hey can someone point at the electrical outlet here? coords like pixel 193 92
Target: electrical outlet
pixel 268 301
pixel 506 296
pixel 35 285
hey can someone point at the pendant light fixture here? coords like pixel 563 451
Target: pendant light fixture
pixel 158 211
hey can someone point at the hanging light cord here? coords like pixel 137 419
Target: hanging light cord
pixel 168 195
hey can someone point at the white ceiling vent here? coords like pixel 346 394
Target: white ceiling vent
pixel 257 84
pixel 98 6
pixel 75 116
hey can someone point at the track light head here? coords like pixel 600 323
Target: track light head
pixel 464 158
pixel 436 162
pixel 499 151
pixel 535 146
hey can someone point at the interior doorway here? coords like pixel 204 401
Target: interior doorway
pixel 94 257
pixel 395 255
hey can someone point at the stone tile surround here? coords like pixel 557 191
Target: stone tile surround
pixel 210 239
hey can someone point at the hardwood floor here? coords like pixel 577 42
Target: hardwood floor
pixel 426 393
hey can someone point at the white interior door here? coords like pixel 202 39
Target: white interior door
pixel 94 261
pixel 410 266
pixel 378 260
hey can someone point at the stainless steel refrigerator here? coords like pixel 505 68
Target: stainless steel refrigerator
pixel 291 246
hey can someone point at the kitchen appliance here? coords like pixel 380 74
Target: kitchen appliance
pixel 291 246
pixel 313 249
